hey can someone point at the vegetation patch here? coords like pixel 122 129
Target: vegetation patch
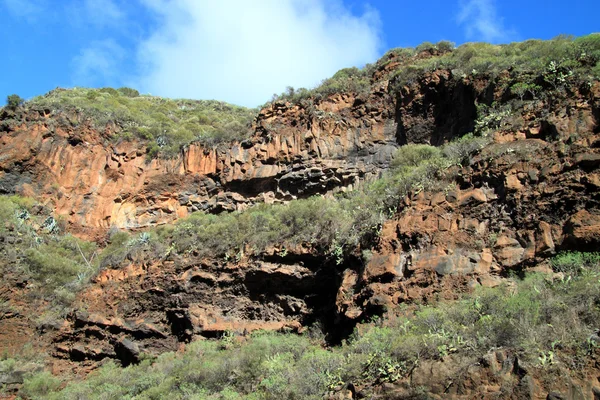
pixel 33 245
pixel 533 65
pixel 545 320
pixel 165 124
pixel 551 63
pixel 336 226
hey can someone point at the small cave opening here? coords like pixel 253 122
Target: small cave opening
pixel 252 187
pixel 181 324
pixel 443 114
pixel 311 296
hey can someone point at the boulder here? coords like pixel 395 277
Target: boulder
pixel 127 351
pixel 582 231
pixel 508 251
pixel 385 267
pixel 544 242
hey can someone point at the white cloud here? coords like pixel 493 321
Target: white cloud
pixel 98 64
pixel 28 9
pixel 100 12
pixel 481 21
pixel 243 51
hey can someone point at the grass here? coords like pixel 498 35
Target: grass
pixel 549 62
pixel 544 320
pixel 33 245
pixel 166 125
pixel 335 226
pixel 532 63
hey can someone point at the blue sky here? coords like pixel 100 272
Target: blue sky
pixel 243 51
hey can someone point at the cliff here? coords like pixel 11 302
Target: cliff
pixel 504 202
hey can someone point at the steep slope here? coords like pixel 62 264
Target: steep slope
pixel 501 202
pixel 292 154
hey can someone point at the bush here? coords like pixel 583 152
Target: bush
pixel 166 125
pixel 570 57
pixel 315 221
pixel 521 89
pixel 461 150
pixel 588 48
pixel 425 46
pixel 413 155
pixel 574 263
pixel 445 46
pixel 38 386
pixel 58 265
pixel 61 261
pixel 13 101
pixel 129 92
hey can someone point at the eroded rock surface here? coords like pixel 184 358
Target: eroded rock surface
pixel 533 192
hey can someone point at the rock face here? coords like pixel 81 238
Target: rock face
pixel 96 183
pixel 529 194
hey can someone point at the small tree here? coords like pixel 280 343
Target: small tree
pixel 522 88
pixel 13 101
pixel 445 46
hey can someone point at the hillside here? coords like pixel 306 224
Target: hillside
pixel 424 227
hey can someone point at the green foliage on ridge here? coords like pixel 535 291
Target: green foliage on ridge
pixel 166 124
pixel 551 62
pixel 13 101
pixel 169 124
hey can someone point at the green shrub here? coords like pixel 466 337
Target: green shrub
pixel 445 46
pixel 521 89
pixel 588 48
pixel 129 92
pixel 491 118
pixel 559 59
pixel 61 261
pixel 58 265
pixel 574 263
pixel 413 155
pixel 425 46
pixel 166 125
pixel 461 150
pixel 40 385
pixel 13 101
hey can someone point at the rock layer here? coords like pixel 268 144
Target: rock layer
pixel 96 183
pixel 529 194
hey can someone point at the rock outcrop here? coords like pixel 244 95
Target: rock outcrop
pixel 531 193
pixel 96 183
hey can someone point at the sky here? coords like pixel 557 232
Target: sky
pixel 244 51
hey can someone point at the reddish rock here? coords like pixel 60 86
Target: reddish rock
pixel 582 231
pixel 457 261
pixel 544 243
pixel 513 183
pixel 386 267
pixel 472 197
pixel 508 251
